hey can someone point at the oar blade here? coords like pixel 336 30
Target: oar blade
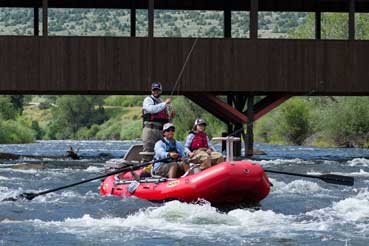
pixel 28 196
pixel 337 179
pixel 23 196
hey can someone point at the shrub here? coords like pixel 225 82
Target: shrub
pixel 347 121
pixel 294 121
pixel 131 130
pixel 124 101
pixel 15 132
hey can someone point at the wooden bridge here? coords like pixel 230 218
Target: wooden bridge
pixel 237 67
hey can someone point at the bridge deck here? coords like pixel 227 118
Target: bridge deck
pixel 114 65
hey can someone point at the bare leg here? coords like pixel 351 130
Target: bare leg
pixel 172 172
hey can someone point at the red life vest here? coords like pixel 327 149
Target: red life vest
pixel 161 116
pixel 199 141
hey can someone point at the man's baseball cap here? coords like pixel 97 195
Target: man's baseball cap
pixel 167 126
pixel 156 86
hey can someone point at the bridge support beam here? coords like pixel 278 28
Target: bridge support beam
pixel 234 115
pixel 36 29
pixel 133 18
pixel 249 141
pixel 45 4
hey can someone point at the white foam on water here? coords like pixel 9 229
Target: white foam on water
pixel 297 187
pixel 94 169
pixel 64 197
pixel 5 178
pixel 358 162
pixel 283 162
pixel 179 220
pixel 361 173
pixel 328 162
pixel 37 172
pixel 5 192
pixel 30 171
pixel 353 210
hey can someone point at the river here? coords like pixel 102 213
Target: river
pixel 298 211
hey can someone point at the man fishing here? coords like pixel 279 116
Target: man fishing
pixel 155 115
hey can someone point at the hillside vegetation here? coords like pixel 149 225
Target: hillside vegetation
pixel 105 22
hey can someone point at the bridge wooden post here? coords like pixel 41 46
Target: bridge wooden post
pixel 227 21
pixel 151 18
pixel 236 129
pixel 133 18
pixel 151 39
pixel 351 20
pixel 318 25
pixel 36 29
pixel 239 105
pixel 254 6
pixel 45 4
pixel 229 124
pixel 250 127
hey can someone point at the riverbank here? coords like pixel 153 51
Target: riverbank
pixel 303 121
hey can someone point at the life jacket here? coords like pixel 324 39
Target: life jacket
pixel 199 141
pixel 161 116
pixel 170 147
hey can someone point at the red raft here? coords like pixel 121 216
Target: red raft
pixel 228 183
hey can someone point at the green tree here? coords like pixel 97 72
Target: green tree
pixel 346 121
pixel 334 26
pixel 7 109
pixel 74 112
pixel 19 101
pixel 294 121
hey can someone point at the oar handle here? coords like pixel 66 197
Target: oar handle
pixel 30 196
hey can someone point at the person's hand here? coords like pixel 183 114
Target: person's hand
pixel 173 155
pixel 168 101
pixel 209 151
pixel 191 154
pixel 173 114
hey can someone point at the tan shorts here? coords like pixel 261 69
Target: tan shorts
pixel 163 170
pixel 205 160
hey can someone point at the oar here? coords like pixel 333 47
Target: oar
pixel 329 178
pixel 30 195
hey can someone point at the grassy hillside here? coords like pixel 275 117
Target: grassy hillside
pixel 104 22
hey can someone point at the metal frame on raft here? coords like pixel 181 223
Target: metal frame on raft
pixel 229 146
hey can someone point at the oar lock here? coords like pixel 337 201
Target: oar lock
pixel 246 171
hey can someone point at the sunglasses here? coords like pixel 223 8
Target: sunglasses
pixel 170 130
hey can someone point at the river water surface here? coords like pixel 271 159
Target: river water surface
pixel 298 211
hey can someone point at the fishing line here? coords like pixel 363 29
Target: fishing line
pixel 169 107
pixel 184 66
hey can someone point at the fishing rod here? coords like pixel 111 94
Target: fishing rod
pixel 31 195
